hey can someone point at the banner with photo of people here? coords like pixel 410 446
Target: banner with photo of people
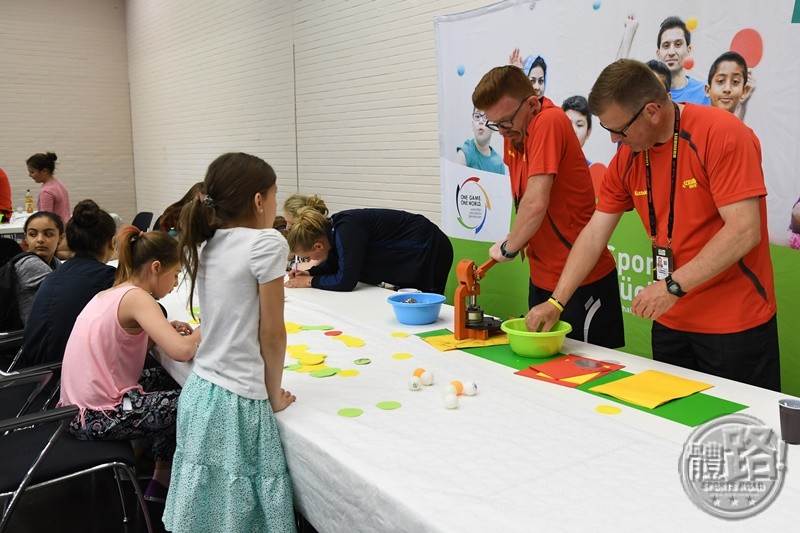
pixel 563 45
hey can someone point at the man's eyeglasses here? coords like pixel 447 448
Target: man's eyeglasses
pixel 506 124
pixel 621 132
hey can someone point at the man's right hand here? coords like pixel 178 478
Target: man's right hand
pixel 542 317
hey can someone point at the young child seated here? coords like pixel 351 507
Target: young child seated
pixel 63 294
pixel 44 231
pixel 104 359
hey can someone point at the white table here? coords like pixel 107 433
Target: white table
pixel 15 228
pixel 522 455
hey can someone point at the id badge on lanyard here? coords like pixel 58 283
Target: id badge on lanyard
pixel 663 261
pixel 663 264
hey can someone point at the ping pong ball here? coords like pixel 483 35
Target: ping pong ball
pixel 458 385
pixel 418 372
pixel 470 388
pixel 451 401
pixel 688 63
pixel 426 378
pixel 414 383
pixel 450 389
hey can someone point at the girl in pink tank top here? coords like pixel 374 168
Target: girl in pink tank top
pixel 103 371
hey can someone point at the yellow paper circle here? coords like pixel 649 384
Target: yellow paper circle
pixel 608 409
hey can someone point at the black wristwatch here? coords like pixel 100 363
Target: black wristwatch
pixel 506 253
pixel 674 287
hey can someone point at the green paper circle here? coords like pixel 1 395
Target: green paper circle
pixel 362 361
pixel 324 372
pixel 350 412
pixel 313 328
pixel 388 406
pixel 292 367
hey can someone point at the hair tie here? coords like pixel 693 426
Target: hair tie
pixel 208 202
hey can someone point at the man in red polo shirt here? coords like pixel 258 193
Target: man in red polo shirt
pixel 554 199
pixel 693 173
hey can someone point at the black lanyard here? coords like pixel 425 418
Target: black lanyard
pixel 650 207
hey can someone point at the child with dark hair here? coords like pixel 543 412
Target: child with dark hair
pixel 53 196
pixel 230 470
pixel 64 293
pixel 727 83
pixel 662 71
pixel 103 372
pixel 168 221
pixel 44 231
pixel 577 109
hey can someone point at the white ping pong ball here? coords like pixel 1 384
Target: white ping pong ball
pixel 450 401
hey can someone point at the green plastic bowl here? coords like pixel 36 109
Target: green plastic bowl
pixel 535 344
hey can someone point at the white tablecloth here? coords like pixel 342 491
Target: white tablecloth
pixel 522 455
pixel 15 227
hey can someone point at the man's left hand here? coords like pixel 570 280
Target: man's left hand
pixel 653 301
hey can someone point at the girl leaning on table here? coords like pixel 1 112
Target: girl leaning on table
pixel 230 471
pixel 103 370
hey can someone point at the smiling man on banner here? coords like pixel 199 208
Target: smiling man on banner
pixel 554 197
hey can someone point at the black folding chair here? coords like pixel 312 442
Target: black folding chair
pixel 8 249
pixel 10 346
pixel 142 220
pixel 35 451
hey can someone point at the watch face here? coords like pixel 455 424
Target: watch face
pixel 674 288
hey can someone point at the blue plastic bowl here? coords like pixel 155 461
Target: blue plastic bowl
pixel 424 311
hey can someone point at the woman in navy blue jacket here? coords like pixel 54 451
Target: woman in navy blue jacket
pixel 373 246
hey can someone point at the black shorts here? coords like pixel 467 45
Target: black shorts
pixel 594 311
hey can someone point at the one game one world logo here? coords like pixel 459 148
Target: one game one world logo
pixel 472 204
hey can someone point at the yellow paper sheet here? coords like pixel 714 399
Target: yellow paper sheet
pixel 651 388
pixel 449 342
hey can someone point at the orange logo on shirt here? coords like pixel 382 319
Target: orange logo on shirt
pixel 690 184
pixel 640 193
pixel 513 153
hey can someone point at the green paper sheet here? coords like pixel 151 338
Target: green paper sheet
pixel 690 411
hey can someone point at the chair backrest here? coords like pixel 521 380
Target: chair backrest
pixel 8 249
pixel 142 220
pixel 19 390
pixel 33 436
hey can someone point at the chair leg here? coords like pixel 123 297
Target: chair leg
pixel 121 495
pixel 139 495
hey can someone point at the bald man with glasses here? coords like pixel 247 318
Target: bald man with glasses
pixel 554 199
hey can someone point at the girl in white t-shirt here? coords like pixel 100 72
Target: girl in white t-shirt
pixel 229 471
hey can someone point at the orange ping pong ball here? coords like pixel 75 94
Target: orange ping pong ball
pixel 418 372
pixel 458 385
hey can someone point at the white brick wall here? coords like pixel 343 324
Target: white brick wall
pixel 64 88
pixel 208 76
pixel 212 76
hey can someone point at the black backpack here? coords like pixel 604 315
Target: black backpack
pixel 9 310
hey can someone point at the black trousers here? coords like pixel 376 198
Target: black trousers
pixel 750 356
